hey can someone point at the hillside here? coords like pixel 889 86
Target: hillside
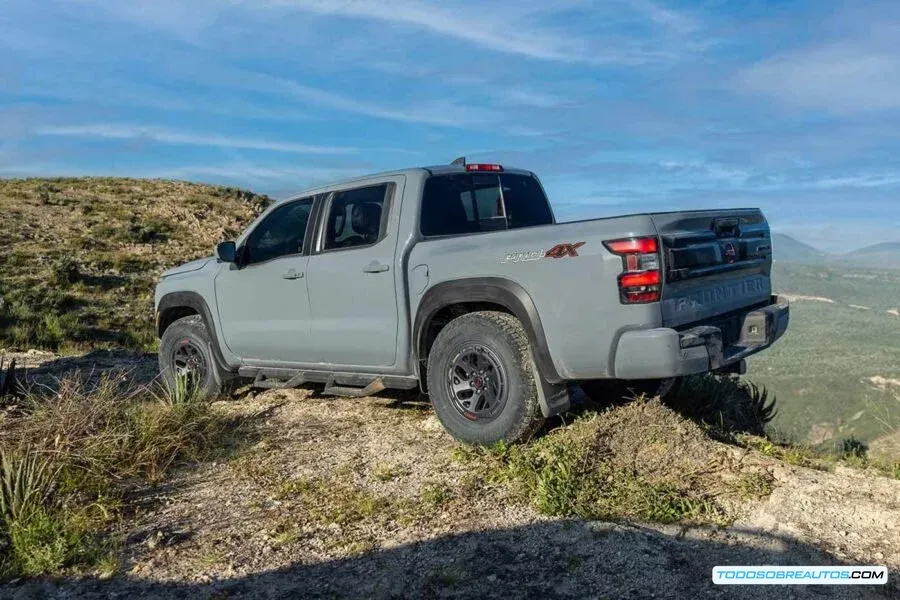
pixel 884 256
pixel 786 248
pixel 80 256
pixel 877 256
pixel 834 370
pixel 877 249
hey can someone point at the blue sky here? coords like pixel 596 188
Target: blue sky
pixel 619 106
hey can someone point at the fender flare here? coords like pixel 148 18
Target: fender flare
pixel 197 303
pixel 495 290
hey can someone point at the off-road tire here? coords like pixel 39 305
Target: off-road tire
pixel 503 336
pixel 618 390
pixel 192 332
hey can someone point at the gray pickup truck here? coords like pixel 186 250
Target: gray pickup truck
pixel 457 279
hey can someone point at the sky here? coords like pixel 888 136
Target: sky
pixel 618 106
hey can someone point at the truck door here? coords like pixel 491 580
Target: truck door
pixel 353 278
pixel 262 301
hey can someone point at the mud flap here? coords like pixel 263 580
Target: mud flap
pixel 553 397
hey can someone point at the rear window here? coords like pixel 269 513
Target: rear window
pixel 476 202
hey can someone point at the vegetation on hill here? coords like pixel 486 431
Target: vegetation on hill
pixel 835 372
pixel 79 257
pixel 67 461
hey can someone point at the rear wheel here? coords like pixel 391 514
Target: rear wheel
pixel 480 379
pixel 185 352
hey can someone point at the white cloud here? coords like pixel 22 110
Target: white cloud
pixel 433 113
pixel 479 25
pixel 246 171
pixel 167 136
pixel 526 97
pixel 846 77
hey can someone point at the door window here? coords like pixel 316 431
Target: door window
pixel 281 233
pixel 356 217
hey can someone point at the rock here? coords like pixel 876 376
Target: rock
pixel 432 424
pixel 492 578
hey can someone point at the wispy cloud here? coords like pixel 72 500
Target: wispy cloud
pixel 443 113
pixel 840 78
pixel 474 24
pixel 280 174
pixel 167 136
pixel 526 97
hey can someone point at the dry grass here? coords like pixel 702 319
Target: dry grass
pixel 67 460
pixel 80 256
pixel 638 461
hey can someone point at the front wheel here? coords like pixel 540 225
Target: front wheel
pixel 481 382
pixel 185 353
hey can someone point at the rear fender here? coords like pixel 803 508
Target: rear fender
pixel 493 290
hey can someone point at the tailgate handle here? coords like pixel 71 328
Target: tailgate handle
pixel 727 227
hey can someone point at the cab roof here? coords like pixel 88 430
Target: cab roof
pixel 412 171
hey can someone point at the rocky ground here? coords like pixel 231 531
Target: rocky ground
pixel 368 498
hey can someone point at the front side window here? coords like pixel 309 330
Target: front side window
pixel 470 203
pixel 281 233
pixel 355 217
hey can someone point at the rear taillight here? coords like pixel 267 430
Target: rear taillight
pixel 640 281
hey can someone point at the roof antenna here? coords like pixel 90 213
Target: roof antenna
pixel 460 161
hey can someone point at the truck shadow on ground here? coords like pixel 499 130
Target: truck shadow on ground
pixel 553 559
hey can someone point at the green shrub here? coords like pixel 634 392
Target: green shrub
pixel 26 484
pixel 110 432
pixel 638 461
pixel 726 404
pixel 60 479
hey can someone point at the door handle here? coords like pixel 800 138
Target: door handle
pixel 376 267
pixel 292 274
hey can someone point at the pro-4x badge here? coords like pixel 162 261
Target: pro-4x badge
pixel 557 251
pixel 563 250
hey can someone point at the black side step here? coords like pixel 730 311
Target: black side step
pixel 375 386
pixel 274 383
pixel 353 385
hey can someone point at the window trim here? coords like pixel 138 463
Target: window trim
pixel 315 203
pixel 322 217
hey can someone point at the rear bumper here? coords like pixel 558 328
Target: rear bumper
pixel 664 352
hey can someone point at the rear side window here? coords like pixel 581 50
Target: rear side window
pixel 356 217
pixel 476 202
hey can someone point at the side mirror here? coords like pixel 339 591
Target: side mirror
pixel 226 252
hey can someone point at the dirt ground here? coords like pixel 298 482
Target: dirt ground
pixel 366 498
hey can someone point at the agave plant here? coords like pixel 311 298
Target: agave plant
pixel 181 392
pixel 26 483
pixel 7 379
pixel 727 403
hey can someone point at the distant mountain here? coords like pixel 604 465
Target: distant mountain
pixel 877 249
pixel 884 256
pixel 788 249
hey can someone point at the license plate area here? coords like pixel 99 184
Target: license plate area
pixel 755 329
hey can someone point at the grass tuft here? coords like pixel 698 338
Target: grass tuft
pixel 639 461
pixel 69 459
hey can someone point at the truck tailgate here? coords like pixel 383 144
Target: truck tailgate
pixel 716 262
